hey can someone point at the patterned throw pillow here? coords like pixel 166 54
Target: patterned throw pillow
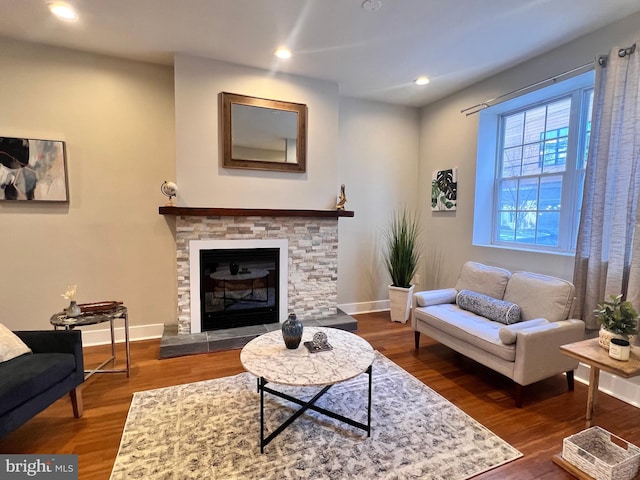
pixel 10 345
pixel 488 307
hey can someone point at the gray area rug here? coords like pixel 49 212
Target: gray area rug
pixel 211 430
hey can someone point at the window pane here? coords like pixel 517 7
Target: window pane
pixel 531 164
pixel 526 227
pixel 534 124
pixel 555 152
pixel 511 161
pixel 507 195
pixel 550 193
pixel 513 127
pixel 507 231
pixel 547 228
pixel 558 115
pixel 528 194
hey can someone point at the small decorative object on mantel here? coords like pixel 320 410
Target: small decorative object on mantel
pixel 73 310
pixel 292 331
pixel 319 343
pixel 342 199
pixel 169 189
pixel 617 318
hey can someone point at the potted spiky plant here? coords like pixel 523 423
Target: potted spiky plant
pixel 402 255
pixel 617 318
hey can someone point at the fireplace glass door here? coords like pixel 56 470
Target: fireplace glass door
pixel 238 287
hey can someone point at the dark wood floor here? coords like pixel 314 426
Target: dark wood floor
pixel 550 412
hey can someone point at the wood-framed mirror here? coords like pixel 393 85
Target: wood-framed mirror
pixel 262 134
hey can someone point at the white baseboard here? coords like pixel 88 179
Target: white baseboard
pixel 625 389
pixel 364 307
pixel 136 332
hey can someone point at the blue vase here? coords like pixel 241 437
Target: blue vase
pixel 292 331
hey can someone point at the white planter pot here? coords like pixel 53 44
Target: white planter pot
pixel 400 303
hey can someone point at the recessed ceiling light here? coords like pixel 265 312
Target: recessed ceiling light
pixel 421 81
pixel 63 11
pixel 283 52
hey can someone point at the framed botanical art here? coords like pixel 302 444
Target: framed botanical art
pixel 444 190
pixel 33 170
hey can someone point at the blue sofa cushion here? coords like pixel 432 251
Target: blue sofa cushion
pixel 488 307
pixel 28 375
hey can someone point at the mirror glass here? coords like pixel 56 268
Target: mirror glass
pixel 263 134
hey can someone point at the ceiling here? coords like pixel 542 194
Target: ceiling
pixel 374 55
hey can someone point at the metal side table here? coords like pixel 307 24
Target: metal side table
pixel 61 320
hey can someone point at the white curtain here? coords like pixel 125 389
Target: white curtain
pixel 608 250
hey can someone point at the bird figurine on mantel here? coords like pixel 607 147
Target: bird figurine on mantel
pixel 342 199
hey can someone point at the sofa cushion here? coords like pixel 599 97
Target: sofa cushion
pixel 468 327
pixel 26 376
pixel 484 279
pixel 488 307
pixel 436 297
pixel 508 334
pixel 10 345
pixel 540 296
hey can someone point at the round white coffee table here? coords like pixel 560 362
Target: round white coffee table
pixel 268 358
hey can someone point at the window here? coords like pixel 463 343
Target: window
pixel 537 147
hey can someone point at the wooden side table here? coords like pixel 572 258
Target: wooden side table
pixel 592 354
pixel 61 320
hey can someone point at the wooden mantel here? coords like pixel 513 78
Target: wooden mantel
pixel 251 212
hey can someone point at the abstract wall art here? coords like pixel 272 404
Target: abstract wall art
pixel 33 170
pixel 444 190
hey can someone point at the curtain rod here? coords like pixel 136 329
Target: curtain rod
pixel 481 106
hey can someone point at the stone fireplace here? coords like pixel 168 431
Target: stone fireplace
pixel 311 268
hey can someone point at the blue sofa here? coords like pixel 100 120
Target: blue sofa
pixel 33 381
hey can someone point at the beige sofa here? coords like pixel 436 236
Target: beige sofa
pixel 526 351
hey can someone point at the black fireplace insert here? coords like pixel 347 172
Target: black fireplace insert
pixel 239 287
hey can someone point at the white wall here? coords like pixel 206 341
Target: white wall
pixel 201 179
pixel 378 151
pixel 117 119
pixel 449 138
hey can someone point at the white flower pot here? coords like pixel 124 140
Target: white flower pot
pixel 400 303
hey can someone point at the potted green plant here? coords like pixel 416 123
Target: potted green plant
pixel 617 318
pixel 401 256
